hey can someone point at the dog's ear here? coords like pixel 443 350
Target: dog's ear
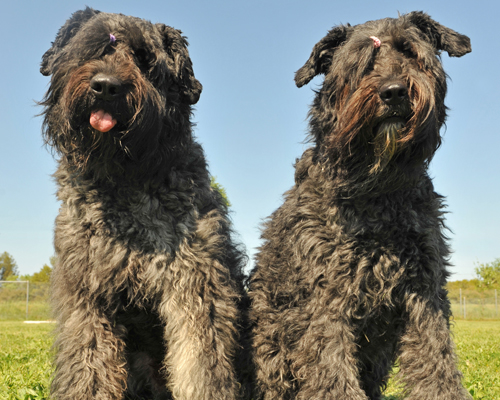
pixel 321 57
pixel 441 37
pixel 176 47
pixel 67 31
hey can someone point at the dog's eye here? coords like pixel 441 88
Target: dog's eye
pixel 407 49
pixel 143 57
pixel 107 50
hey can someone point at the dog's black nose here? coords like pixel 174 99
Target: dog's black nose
pixel 393 93
pixel 106 87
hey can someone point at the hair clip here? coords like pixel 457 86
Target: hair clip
pixel 376 41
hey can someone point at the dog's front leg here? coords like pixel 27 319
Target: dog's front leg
pixel 90 361
pixel 200 336
pixel 427 361
pixel 325 361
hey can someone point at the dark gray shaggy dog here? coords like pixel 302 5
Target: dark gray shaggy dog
pixel 148 282
pixel 352 272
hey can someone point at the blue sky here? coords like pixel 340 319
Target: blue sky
pixel 251 119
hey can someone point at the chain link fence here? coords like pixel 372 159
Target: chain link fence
pixel 472 304
pixel 23 301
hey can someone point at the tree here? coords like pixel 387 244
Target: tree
pixel 53 261
pixel 219 188
pixel 43 275
pixel 8 266
pixel 489 274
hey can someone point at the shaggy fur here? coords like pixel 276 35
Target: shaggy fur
pixel 148 283
pixel 351 276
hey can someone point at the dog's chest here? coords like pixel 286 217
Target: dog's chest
pixel 122 231
pixel 391 242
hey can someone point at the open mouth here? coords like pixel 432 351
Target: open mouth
pixel 393 123
pixel 390 127
pixel 102 121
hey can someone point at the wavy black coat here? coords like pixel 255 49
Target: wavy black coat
pixel 148 286
pixel 351 275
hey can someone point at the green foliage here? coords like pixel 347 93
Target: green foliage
pixel 219 188
pixel 489 274
pixel 8 266
pixel 465 284
pixel 469 288
pixel 43 275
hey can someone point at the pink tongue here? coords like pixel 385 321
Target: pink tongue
pixel 102 121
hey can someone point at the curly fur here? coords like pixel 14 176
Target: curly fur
pixel 351 275
pixel 148 286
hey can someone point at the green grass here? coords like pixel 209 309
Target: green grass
pixel 478 347
pixel 25 360
pixel 16 311
pixel 25 357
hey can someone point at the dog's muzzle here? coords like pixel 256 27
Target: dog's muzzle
pixel 106 88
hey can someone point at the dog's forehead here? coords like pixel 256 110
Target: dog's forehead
pixel 132 31
pixel 394 28
pixel 391 44
pixel 388 34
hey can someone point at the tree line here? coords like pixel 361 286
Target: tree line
pixel 9 270
pixel 487 278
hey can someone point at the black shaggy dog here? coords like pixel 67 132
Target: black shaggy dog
pixel 148 283
pixel 351 276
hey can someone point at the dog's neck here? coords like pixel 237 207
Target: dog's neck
pixel 343 178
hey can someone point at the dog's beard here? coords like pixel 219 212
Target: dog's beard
pixel 386 140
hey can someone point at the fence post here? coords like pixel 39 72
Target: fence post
pixel 27 298
pixel 465 309
pixel 461 309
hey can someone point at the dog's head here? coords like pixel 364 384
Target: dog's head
pixel 121 91
pixel 383 94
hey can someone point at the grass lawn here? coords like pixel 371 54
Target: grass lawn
pixel 478 348
pixel 25 357
pixel 25 360
pixel 478 345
